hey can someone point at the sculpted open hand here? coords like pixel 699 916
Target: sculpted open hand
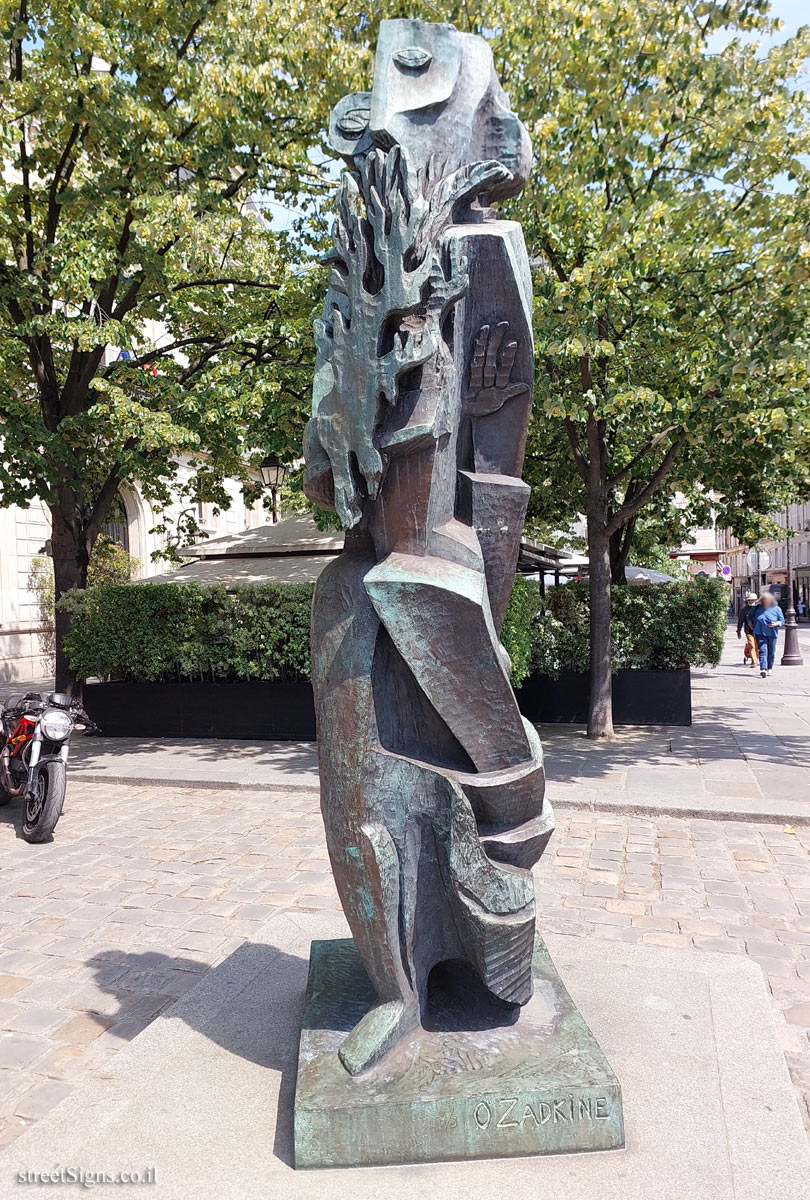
pixel 489 387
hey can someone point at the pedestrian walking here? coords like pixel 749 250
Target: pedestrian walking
pixel 745 624
pixel 767 623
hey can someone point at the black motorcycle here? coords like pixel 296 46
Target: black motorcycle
pixel 34 747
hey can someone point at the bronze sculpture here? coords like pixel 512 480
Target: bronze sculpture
pixel 432 782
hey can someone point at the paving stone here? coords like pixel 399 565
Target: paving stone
pixel 725 945
pixel 799 1014
pixel 724 887
pixel 634 908
pixel 82 1028
pixel 599 889
pixel 37 1020
pixel 180 904
pixel 123 1031
pixel 255 912
pixel 728 903
pixel 10 1085
pixel 10 1129
pixel 673 940
pixel 19 1050
pixel 774 968
pixel 41 1099
pixel 604 917
pixel 189 940
pixel 769 950
pixel 63 1062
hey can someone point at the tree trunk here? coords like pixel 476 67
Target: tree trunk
pixel 600 710
pixel 620 544
pixel 600 713
pixel 70 559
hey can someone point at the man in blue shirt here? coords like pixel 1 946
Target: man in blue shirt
pixel 767 623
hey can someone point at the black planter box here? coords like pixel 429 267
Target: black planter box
pixel 260 711
pixel 274 711
pixel 639 698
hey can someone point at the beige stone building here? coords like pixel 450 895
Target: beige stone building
pixel 24 534
pixel 734 554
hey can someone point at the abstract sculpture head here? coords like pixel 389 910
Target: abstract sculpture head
pixel 435 94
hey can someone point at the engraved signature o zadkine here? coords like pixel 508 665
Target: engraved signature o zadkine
pixel 515 1112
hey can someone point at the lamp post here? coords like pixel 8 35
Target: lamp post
pixel 791 655
pixel 273 472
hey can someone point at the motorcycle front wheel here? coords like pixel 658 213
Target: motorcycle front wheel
pixel 43 810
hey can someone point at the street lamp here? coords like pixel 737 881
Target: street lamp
pixel 273 472
pixel 791 656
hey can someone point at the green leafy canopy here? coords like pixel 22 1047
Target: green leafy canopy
pixel 669 220
pixel 142 150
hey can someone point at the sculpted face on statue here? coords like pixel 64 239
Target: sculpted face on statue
pixel 436 95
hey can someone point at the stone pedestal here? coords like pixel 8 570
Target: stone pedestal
pixel 486 1080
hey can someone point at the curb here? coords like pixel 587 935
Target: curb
pixel 208 785
pixel 686 812
pixel 628 808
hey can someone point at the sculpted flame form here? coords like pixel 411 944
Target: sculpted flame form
pixel 431 781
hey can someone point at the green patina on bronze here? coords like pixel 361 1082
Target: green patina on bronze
pixel 432 782
pixel 538 1085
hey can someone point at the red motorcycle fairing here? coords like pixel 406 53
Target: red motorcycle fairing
pixel 22 734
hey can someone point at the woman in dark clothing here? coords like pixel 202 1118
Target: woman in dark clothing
pixel 746 621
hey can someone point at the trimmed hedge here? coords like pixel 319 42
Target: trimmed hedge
pixel 161 631
pixel 656 626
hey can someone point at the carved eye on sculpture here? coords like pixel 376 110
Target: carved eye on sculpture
pixel 348 125
pixel 412 58
pixel 352 123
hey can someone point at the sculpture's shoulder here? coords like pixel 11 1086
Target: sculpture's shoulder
pixel 500 250
pixel 493 228
pixel 480 233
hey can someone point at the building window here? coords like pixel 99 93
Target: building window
pixel 116 526
pixel 206 517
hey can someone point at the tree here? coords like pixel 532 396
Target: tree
pixel 109 564
pixel 139 148
pixel 669 220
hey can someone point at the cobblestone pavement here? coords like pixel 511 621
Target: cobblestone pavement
pixel 145 888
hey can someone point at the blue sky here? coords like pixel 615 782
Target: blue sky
pixel 793 12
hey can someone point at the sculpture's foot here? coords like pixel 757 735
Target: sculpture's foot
pixel 377 1033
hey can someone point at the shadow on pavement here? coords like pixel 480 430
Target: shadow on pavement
pixel 288 758
pixel 12 814
pixel 255 1015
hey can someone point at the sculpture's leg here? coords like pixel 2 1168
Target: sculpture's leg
pixel 493 905
pixel 437 616
pixel 355 801
pixel 372 902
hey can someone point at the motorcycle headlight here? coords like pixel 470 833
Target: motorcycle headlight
pixel 56 725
